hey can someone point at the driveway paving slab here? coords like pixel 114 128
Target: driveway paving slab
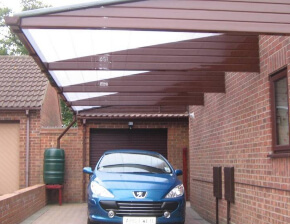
pixel 77 214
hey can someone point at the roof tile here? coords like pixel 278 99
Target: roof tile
pixel 22 84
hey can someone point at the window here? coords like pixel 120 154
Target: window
pixel 133 163
pixel 280 112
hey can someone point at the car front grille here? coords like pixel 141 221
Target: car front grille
pixel 131 208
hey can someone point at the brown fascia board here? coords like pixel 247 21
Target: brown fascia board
pixel 211 23
pixel 51 10
pixel 165 24
pixel 13 22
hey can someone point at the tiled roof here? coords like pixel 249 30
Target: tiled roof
pixel 22 85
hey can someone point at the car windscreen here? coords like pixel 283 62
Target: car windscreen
pixel 133 163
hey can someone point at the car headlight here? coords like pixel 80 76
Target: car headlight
pixel 100 191
pixel 178 191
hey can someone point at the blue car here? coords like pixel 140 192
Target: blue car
pixel 134 187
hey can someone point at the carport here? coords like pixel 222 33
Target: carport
pixel 162 56
pixel 97 58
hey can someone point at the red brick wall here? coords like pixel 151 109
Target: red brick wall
pixel 16 207
pixel 34 142
pixel 50 111
pixel 234 129
pixel 34 155
pixel 72 144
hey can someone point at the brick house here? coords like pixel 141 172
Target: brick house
pixel 242 120
pixel 235 129
pixel 21 74
pixel 27 103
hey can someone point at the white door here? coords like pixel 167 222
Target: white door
pixel 9 157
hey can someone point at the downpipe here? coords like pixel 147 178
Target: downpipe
pixel 84 157
pixel 27 148
pixel 65 131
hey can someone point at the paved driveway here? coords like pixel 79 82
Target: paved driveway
pixel 77 214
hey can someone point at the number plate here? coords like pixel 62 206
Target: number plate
pixel 139 220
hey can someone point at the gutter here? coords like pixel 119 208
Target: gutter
pixel 65 131
pixel 27 149
pixel 132 116
pixel 43 11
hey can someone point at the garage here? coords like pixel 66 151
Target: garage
pixel 108 139
pixel 9 151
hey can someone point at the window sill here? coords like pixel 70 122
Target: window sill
pixel 279 155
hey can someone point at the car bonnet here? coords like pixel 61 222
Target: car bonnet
pixel 132 181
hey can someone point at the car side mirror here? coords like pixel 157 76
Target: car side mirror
pixel 88 170
pixel 178 172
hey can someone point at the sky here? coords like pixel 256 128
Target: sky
pixel 16 7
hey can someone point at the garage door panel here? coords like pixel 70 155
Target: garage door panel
pixel 109 139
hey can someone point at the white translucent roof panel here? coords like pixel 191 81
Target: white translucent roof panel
pixel 68 78
pixel 81 96
pixel 62 44
pixel 79 108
